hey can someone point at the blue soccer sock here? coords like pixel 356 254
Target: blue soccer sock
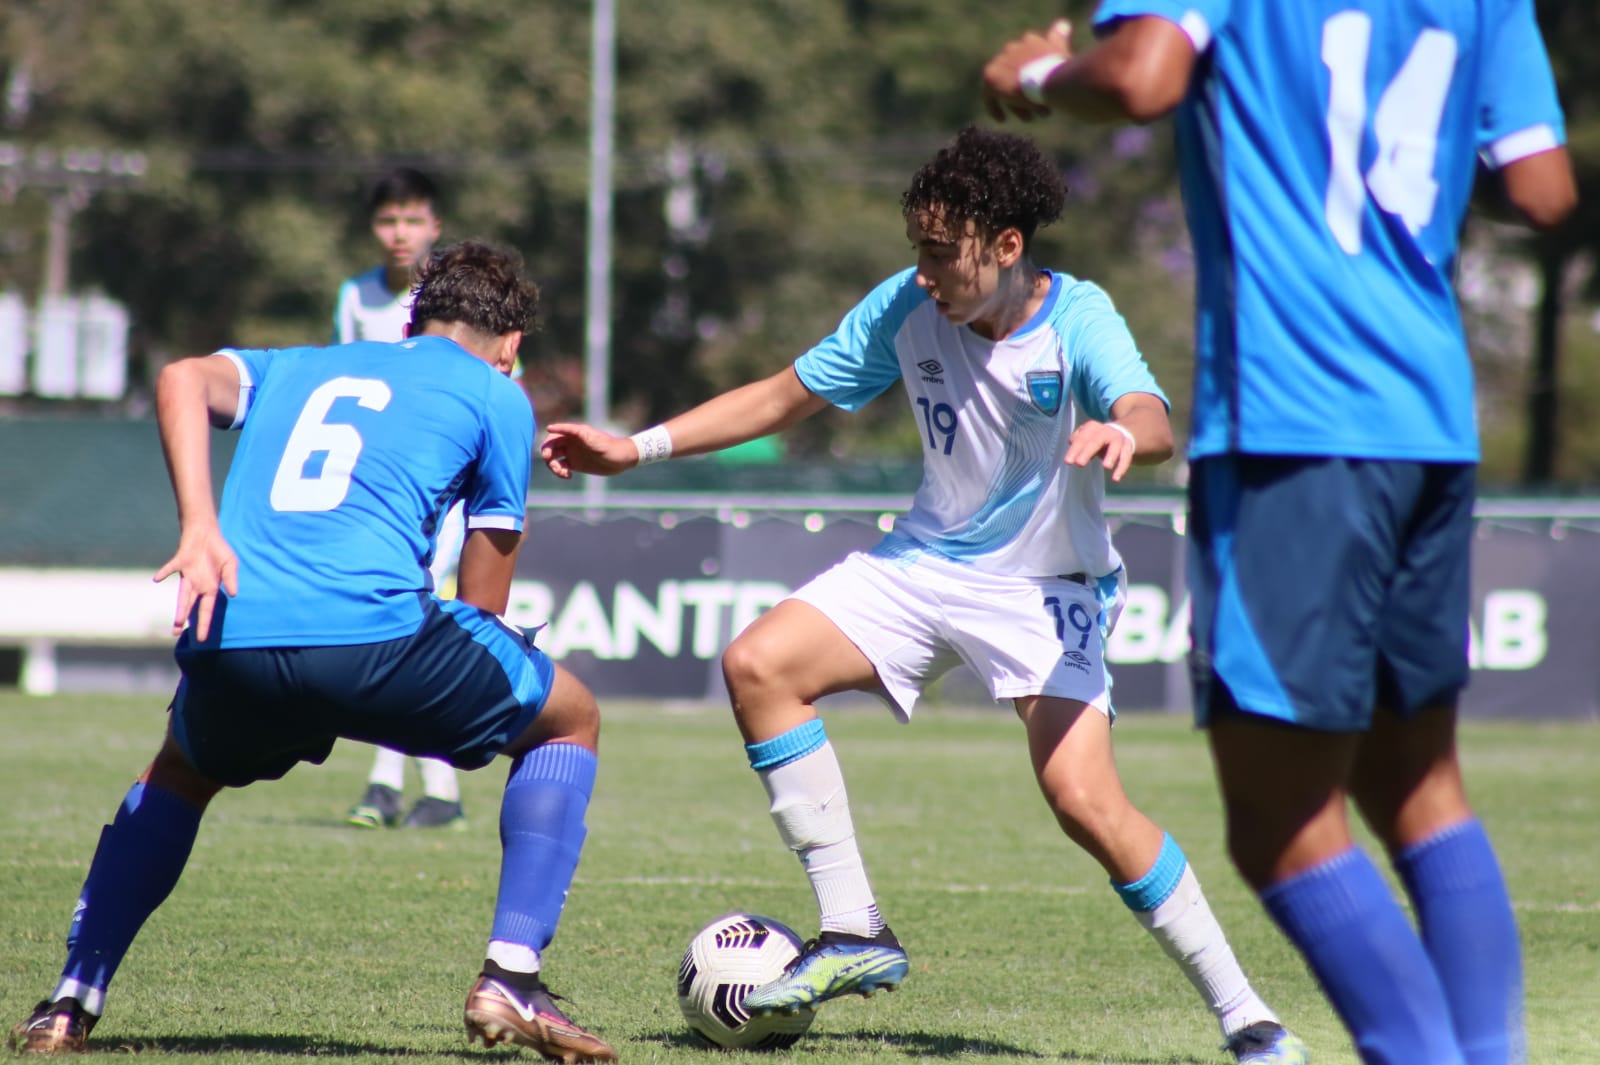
pixel 140 857
pixel 1468 928
pixel 541 833
pixel 1368 959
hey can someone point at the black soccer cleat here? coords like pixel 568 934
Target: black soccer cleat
pixel 430 812
pixel 379 807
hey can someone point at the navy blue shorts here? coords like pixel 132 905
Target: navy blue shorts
pixel 460 688
pixel 1322 587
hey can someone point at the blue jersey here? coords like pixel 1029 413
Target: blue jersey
pixel 1328 151
pixel 348 459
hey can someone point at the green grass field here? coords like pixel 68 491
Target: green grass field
pixel 293 935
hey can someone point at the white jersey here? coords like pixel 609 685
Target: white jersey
pixel 367 310
pixel 995 419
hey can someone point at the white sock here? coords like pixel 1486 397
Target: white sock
pixel 388 769
pixel 92 999
pixel 439 779
pixel 812 812
pixel 1186 929
pixel 516 957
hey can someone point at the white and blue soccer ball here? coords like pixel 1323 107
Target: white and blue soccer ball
pixel 725 961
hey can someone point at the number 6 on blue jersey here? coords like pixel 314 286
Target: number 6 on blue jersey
pixel 292 490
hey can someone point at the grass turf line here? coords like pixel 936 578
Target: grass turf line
pixel 293 934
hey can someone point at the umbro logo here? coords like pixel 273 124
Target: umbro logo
pixel 931 371
pixel 1077 660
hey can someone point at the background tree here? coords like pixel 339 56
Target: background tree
pixel 761 152
pixel 1572 31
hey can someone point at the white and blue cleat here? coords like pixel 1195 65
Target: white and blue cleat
pixel 1267 1043
pixel 832 965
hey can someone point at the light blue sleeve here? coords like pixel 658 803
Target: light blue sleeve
pixel 1518 113
pixel 1202 20
pixel 497 497
pixel 1106 364
pixel 858 363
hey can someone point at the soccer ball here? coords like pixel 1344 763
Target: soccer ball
pixel 726 960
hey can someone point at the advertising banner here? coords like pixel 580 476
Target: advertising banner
pixel 642 605
pixel 641 602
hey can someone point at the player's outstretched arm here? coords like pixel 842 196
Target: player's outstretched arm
pixel 744 413
pixel 1137 73
pixel 191 395
pixel 573 447
pixel 1139 432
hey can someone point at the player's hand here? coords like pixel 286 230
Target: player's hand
pixel 1002 86
pixel 572 447
pixel 1097 438
pixel 204 563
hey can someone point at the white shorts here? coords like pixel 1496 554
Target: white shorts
pixel 1022 636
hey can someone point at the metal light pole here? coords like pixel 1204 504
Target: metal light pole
pixel 597 302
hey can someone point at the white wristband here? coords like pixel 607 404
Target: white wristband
pixel 654 444
pixel 1033 75
pixel 1123 429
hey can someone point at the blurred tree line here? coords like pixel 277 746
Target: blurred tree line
pixel 761 151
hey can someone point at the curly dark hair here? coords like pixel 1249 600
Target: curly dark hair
pixel 476 284
pixel 991 178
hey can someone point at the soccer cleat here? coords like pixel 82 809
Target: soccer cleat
pixel 833 964
pixel 1267 1043
pixel 498 1014
pixel 58 1027
pixel 379 806
pixel 430 812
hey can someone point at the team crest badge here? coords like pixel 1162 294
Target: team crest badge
pixel 1044 388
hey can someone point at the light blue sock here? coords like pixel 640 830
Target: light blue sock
pixel 138 862
pixel 1152 889
pixel 541 834
pixel 789 747
pixel 1368 959
pixel 1462 905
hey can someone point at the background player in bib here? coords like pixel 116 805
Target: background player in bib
pixel 1328 151
pixel 306 616
pixel 403 206
pixel 1004 561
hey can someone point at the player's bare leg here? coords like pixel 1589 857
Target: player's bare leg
pixel 1282 817
pixel 783 662
pixel 1406 778
pixel 1070 745
pixel 775 670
